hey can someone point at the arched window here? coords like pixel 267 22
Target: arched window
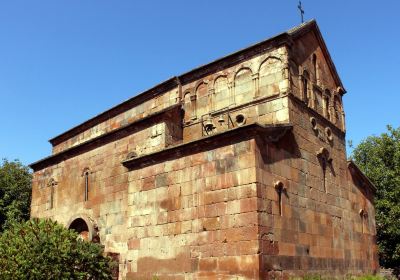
pixel 364 218
pixel 325 160
pixel 327 113
pixel 244 86
pixel 315 68
pixel 337 107
pixel 221 93
pixel 187 106
pixel 203 104
pixel 270 76
pixel 305 94
pixel 318 102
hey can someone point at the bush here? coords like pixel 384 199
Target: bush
pixel 347 277
pixel 43 249
pixel 379 158
pixel 15 192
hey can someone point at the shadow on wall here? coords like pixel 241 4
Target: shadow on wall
pixel 285 148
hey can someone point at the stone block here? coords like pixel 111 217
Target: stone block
pixel 211 224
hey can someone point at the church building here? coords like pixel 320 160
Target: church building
pixel 234 170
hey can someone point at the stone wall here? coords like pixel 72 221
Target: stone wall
pixel 195 216
pixel 312 80
pixel 131 115
pixel 254 89
pixel 205 180
pixel 319 226
pixel 107 177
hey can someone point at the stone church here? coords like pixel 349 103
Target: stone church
pixel 234 170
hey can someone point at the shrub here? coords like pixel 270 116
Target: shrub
pixel 379 158
pixel 44 249
pixel 15 192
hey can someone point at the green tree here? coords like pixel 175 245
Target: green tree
pixel 379 158
pixel 43 249
pixel 15 192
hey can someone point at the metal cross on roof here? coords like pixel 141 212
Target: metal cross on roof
pixel 300 7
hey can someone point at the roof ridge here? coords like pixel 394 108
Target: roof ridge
pixel 300 26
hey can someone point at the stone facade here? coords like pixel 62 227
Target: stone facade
pixel 234 170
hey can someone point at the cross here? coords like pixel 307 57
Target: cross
pixel 301 11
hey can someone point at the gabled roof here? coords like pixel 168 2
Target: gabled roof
pixel 312 25
pixel 199 72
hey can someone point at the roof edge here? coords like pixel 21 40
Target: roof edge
pixel 117 109
pixel 351 163
pixel 119 132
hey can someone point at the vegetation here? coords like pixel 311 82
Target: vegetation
pixel 15 192
pixel 366 277
pixel 379 158
pixel 348 277
pixel 43 249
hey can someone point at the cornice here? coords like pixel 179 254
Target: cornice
pixel 120 108
pixel 270 133
pixel 108 137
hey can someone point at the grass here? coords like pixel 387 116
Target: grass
pixel 348 277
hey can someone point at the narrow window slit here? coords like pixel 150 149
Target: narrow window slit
pixel 280 188
pixel 51 197
pixel 86 186
pixel 305 79
pixel 325 160
pixel 324 173
pixel 315 68
pixel 363 216
pixel 86 174
pixel 52 183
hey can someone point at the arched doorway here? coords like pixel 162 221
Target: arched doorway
pixel 80 226
pixel 84 227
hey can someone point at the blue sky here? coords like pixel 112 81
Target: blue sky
pixel 62 62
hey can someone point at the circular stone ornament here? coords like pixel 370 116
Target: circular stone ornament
pixel 328 133
pixel 240 119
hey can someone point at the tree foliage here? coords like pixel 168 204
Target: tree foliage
pixel 15 192
pixel 43 249
pixel 379 158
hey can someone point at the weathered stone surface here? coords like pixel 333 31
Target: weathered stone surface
pixel 223 190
